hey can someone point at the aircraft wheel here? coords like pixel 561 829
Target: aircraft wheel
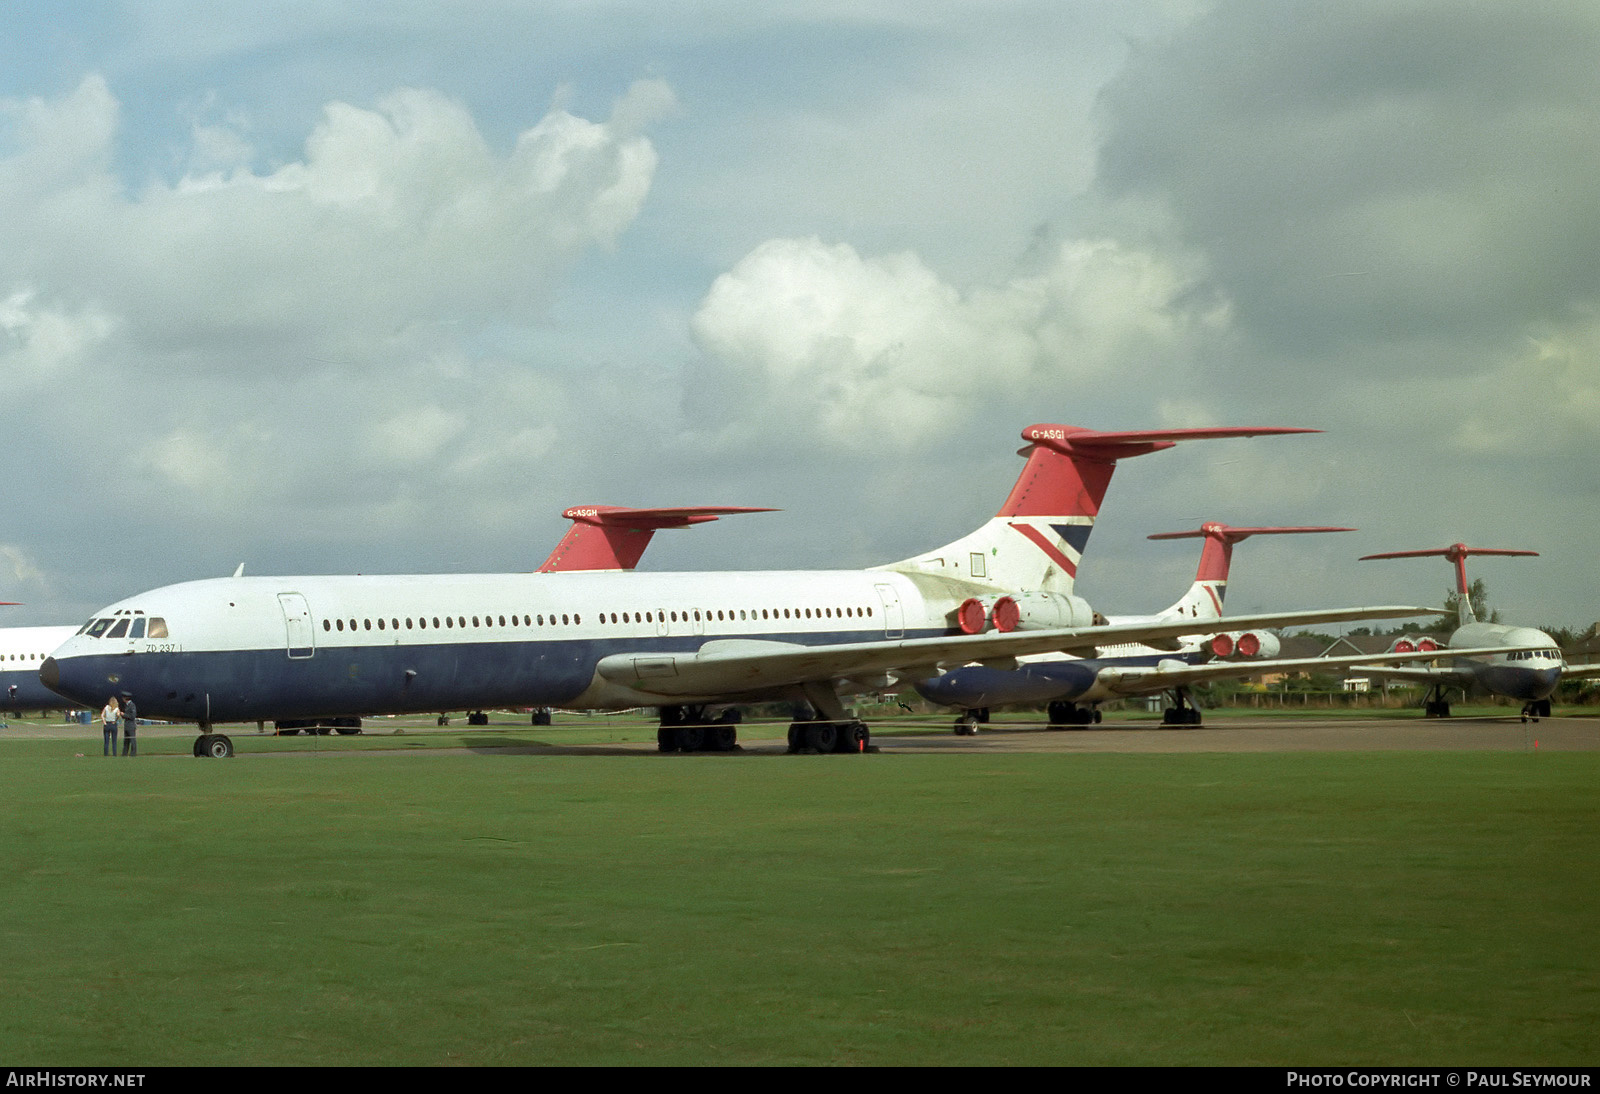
pixel 797 737
pixel 218 746
pixel 201 741
pixel 692 738
pixel 853 737
pixel 666 739
pixel 823 736
pixel 1097 717
pixel 724 738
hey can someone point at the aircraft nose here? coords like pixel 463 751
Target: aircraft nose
pixel 50 673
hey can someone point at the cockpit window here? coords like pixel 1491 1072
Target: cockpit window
pixel 158 627
pixel 137 630
pixel 98 627
pixel 119 630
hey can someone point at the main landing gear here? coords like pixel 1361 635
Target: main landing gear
pixel 692 729
pixel 1536 709
pixel 1062 713
pixel 1183 712
pixel 1434 705
pixel 822 724
pixel 824 735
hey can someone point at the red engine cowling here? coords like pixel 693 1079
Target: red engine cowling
pixel 1426 645
pixel 1403 645
pixel 972 616
pixel 1249 644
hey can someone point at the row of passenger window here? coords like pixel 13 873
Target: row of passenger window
pixel 450 622
pixel 727 615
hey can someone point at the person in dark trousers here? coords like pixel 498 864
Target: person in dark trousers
pixel 108 726
pixel 130 726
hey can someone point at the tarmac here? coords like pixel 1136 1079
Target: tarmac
pixel 1561 733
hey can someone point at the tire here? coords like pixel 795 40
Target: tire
pixel 218 746
pixel 823 736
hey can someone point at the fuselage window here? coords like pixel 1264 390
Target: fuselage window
pixel 503 621
pixel 408 622
pixel 341 624
pixel 563 620
pixel 448 622
pixel 380 622
pixel 366 624
pixel 474 621
pixel 352 624
pixel 327 626
pixel 435 622
pixel 395 623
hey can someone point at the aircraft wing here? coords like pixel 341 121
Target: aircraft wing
pixel 1143 680
pixel 1424 675
pixel 1580 672
pixel 739 666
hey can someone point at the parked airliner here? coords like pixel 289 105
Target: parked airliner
pixel 1530 671
pixel 22 654
pixel 249 648
pixel 1074 687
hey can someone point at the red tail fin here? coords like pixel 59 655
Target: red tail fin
pixel 613 537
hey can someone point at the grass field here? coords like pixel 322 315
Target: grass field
pixel 367 908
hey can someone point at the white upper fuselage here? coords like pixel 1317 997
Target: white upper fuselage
pixel 245 648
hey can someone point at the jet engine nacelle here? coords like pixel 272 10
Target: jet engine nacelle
pixel 1041 611
pixel 1251 644
pixel 1407 644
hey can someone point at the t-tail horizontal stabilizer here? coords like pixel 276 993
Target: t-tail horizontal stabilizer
pixel 613 537
pixel 1456 553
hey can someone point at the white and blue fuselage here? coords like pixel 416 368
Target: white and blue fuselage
pixel 250 648
pixel 23 651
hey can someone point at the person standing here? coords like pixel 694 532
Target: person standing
pixel 108 726
pixel 130 726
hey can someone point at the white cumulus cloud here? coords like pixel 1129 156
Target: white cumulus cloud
pixel 847 344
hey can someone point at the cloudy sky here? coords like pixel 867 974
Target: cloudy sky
pixel 322 289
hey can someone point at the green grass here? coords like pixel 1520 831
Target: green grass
pixel 1402 908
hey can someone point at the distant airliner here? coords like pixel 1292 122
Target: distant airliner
pixel 1530 672
pixel 249 648
pixel 1074 687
